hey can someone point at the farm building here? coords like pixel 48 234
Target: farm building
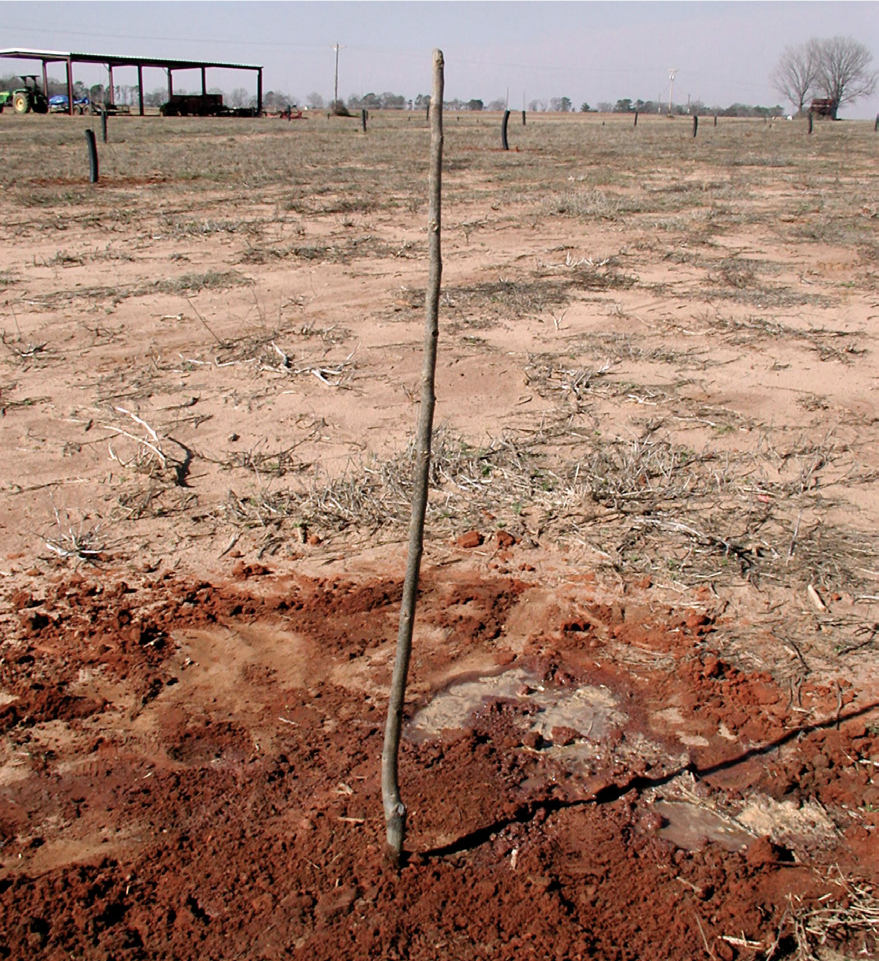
pixel 206 106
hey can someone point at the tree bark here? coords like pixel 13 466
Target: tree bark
pixel 395 810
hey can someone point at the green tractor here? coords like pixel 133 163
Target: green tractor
pixel 25 99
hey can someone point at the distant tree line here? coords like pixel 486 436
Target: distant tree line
pixel 374 101
pixel 837 70
pixel 695 108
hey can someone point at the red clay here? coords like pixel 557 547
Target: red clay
pixel 194 772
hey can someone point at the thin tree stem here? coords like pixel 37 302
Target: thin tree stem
pixel 395 810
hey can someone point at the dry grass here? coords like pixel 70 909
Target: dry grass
pixel 75 540
pixel 849 918
pixel 647 505
pixel 375 495
pixel 626 454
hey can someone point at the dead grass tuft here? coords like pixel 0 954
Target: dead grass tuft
pixel 191 283
pixel 79 540
pixel 849 921
pixel 508 299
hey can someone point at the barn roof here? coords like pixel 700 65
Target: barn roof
pixel 118 60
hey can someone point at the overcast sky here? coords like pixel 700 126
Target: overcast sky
pixel 723 51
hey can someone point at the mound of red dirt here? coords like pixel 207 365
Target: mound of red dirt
pixel 192 770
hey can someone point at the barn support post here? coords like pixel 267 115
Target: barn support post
pixel 104 124
pixel 259 92
pixel 112 97
pixel 140 87
pixel 69 89
pixel 93 156
pixel 504 130
pixel 46 79
pixel 204 88
pixel 170 83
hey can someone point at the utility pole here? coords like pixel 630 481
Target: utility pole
pixel 671 85
pixel 337 48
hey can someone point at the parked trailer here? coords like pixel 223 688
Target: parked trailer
pixel 823 107
pixel 111 109
pixel 192 105
pixel 59 104
pixel 202 105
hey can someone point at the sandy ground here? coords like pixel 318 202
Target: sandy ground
pixel 643 712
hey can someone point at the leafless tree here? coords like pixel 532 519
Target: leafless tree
pixel 156 98
pixel 843 71
pixel 837 69
pixel 239 97
pixel 796 72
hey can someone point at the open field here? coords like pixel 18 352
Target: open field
pixel 644 697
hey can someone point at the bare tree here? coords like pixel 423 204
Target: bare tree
pixel 843 71
pixel 395 810
pixel 239 97
pixel 795 74
pixel 156 98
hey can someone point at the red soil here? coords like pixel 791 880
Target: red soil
pixel 193 772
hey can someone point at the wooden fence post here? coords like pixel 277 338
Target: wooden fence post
pixel 695 124
pixel 504 130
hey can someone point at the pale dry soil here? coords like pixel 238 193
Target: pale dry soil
pixel 643 716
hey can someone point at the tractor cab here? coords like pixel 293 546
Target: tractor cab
pixel 27 98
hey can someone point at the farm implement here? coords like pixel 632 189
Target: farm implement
pixel 26 99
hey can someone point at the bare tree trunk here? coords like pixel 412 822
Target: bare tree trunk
pixel 395 810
